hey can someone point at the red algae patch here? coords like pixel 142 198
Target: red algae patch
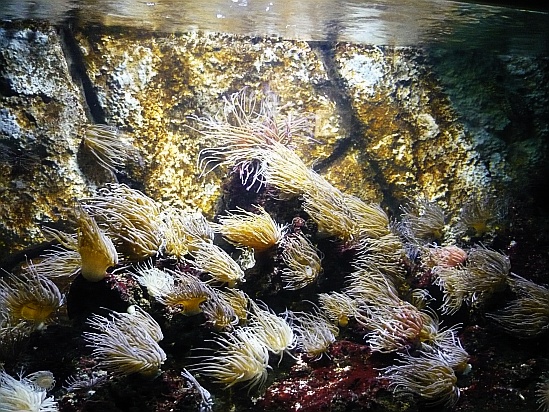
pixel 349 377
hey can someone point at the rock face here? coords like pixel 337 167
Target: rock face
pixel 384 127
pixel 393 130
pixel 41 115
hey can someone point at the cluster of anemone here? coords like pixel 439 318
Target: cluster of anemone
pixel 435 338
pixel 126 343
pixel 244 137
pixel 242 353
pixel 118 221
pixel 430 372
pixel 28 393
pixel 184 293
pixel 391 322
pixel 254 140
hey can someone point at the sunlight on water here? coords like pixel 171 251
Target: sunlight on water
pixel 385 22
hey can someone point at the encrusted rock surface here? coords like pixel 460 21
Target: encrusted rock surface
pixel 384 127
pixel 410 131
pixel 41 116
pixel 150 86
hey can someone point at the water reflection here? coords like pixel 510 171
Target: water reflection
pixel 387 22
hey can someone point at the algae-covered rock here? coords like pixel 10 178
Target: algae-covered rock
pixel 151 85
pixel 383 126
pixel 409 129
pixel 41 114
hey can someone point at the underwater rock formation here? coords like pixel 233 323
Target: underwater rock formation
pixel 41 116
pixel 249 230
pixel 383 128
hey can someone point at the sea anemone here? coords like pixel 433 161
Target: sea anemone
pixel 384 254
pixel 13 337
pixel 108 145
pixel 481 214
pixel 392 323
pixel 428 375
pixel 24 395
pixel 328 210
pixel 186 294
pixel 132 219
pixel 42 379
pixel 370 287
pixel 314 333
pixel 97 252
pixel 30 297
pixel 284 169
pixel 238 300
pixel 241 358
pixel 273 330
pixel 444 341
pixel 62 261
pixel 446 256
pixel 490 267
pixel 183 229
pixel 372 220
pixel 337 214
pixel 157 281
pixel 59 263
pixel 453 281
pixel 126 343
pixel 302 262
pixel 423 221
pixel 217 263
pixel 338 307
pixel 528 315
pixel 486 272
pixel 206 402
pixel 253 230
pixel 245 132
pixel 393 326
pixel 219 314
pixel 542 395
